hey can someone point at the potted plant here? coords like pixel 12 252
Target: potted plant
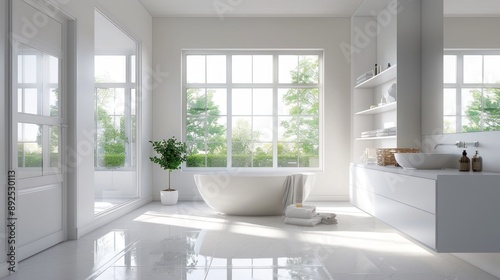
pixel 171 153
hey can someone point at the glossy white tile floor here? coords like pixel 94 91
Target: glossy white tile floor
pixel 190 241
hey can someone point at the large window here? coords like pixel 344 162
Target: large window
pixel 115 96
pixel 471 95
pixel 256 109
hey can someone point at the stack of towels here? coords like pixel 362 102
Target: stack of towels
pixel 305 215
pixel 365 76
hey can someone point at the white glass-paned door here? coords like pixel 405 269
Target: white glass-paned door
pixel 38 121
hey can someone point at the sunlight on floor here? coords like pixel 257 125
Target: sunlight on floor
pixel 371 240
pixel 104 204
pixel 190 221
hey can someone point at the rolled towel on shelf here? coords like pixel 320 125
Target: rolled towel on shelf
pixel 303 222
pixel 327 218
pixel 304 212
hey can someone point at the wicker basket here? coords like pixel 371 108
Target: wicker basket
pixel 385 156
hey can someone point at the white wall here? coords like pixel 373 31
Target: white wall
pixel 171 35
pixel 471 32
pixel 386 37
pixel 432 66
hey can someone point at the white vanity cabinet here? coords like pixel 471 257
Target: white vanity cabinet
pixel 446 210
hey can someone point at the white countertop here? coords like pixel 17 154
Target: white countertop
pixel 423 173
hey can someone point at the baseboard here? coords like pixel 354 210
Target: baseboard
pixel 182 198
pixel 342 198
pixel 111 215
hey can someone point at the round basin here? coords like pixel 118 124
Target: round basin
pixel 426 161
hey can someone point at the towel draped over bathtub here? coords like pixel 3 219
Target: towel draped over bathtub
pixel 294 190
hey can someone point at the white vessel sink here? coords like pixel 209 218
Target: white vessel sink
pixel 426 161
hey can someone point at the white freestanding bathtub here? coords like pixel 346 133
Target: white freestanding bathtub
pixel 248 195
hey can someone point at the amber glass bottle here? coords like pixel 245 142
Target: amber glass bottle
pixel 477 162
pixel 464 162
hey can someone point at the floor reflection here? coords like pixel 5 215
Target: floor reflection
pixel 189 241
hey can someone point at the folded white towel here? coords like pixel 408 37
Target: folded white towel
pixel 303 222
pixel 304 212
pixel 331 221
pixel 328 218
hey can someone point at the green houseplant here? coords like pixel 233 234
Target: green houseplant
pixel 171 153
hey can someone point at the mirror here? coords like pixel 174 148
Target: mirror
pixel 471 66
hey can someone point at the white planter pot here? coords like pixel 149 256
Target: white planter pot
pixel 169 197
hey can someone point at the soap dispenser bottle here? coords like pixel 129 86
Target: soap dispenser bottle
pixel 477 162
pixel 464 162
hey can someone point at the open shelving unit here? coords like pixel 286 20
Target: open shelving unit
pixel 388 46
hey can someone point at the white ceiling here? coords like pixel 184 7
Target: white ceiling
pixel 251 8
pixel 295 8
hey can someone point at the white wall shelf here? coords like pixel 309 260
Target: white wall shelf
pixel 379 109
pixel 377 80
pixel 377 138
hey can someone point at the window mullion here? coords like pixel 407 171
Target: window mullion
pixel 229 119
pixel 275 110
pixel 460 81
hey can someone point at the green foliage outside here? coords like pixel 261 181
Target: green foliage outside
pixel 202 123
pixel 304 104
pixel 206 137
pixel 243 160
pixel 483 112
pixel 110 140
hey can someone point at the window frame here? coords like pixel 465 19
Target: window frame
pixel 460 85
pixel 274 85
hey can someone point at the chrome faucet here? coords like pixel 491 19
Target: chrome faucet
pixel 459 144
